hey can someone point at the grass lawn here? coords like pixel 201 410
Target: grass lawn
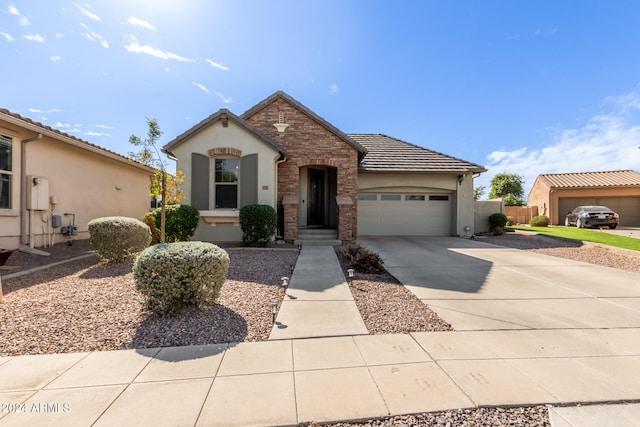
pixel 586 235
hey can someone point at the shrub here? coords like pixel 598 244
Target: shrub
pixel 497 222
pixel 539 221
pixel 181 222
pixel 155 233
pixel 362 259
pixel 511 220
pixel 258 224
pixel 183 274
pixel 117 238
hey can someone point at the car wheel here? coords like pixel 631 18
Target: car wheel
pixel 613 226
pixel 566 222
pixel 579 223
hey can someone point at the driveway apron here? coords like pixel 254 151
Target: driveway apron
pixel 478 286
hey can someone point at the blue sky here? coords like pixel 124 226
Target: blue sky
pixel 525 87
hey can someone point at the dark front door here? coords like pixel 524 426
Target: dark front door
pixel 315 208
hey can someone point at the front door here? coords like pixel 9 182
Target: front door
pixel 315 208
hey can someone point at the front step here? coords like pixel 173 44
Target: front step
pixel 317 237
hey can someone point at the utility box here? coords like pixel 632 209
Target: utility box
pixel 37 193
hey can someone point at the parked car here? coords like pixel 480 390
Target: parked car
pixel 592 216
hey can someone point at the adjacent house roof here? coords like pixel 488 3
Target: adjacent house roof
pixel 387 154
pixel 322 122
pixel 43 129
pixel 223 114
pixel 623 178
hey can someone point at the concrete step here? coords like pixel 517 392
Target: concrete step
pixel 317 237
pixel 318 242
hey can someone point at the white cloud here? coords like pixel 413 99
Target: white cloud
pixel 62 125
pixel 225 99
pixel 93 36
pixel 333 88
pixel 201 87
pixel 56 58
pixel 217 65
pixel 136 47
pixel 59 35
pixel 14 11
pixel 87 13
pixel 607 141
pixel 140 23
pixel 35 110
pixel 91 133
pixel 35 37
pixel 7 36
pixel 104 127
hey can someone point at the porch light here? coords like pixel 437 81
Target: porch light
pixel 285 282
pixel 274 311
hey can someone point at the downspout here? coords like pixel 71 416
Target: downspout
pixel 23 191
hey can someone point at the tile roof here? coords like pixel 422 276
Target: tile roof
pixel 219 115
pixel 65 137
pixel 387 154
pixel 623 178
pixel 331 128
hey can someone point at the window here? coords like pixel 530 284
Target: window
pixel 226 183
pixel 5 172
pixel 414 197
pixel 390 197
pixel 367 197
pixel 439 198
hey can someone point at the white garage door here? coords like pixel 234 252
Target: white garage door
pixel 404 214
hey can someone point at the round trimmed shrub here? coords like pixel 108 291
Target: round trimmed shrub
pixel 258 224
pixel 177 275
pixel 539 221
pixel 181 222
pixel 118 238
pixel 511 220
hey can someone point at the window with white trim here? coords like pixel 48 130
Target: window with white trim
pixel 225 188
pixel 6 171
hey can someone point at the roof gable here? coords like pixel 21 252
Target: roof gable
pixel 308 112
pixel 621 178
pixel 223 114
pixel 56 134
pixel 387 154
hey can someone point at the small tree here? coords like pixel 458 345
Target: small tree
pixel 478 192
pixel 509 187
pixel 163 185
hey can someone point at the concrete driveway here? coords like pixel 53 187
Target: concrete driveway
pixel 478 286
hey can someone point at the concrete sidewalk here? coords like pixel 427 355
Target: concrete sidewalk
pixel 287 382
pixel 318 302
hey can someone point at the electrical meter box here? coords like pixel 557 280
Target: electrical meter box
pixel 37 193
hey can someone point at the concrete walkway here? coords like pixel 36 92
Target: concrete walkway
pixel 318 302
pixel 287 382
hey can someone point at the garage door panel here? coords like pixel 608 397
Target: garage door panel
pixel 405 214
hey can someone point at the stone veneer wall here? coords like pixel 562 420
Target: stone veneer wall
pixel 308 143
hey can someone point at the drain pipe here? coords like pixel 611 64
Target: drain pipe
pixel 24 239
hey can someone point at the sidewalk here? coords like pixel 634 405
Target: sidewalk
pixel 287 382
pixel 318 302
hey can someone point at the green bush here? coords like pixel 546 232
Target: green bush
pixel 181 222
pixel 497 220
pixel 511 220
pixel 118 238
pixel 258 224
pixel 539 221
pixel 183 274
pixel 361 259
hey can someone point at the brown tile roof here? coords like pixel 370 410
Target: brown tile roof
pixel 65 137
pixel 623 178
pixel 220 115
pixel 387 154
pixel 322 122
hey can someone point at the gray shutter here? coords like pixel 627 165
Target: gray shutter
pixel 249 180
pixel 200 181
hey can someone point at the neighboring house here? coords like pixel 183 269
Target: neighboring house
pixel 556 194
pixel 46 173
pixel 282 154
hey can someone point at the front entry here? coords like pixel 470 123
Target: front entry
pixel 316 198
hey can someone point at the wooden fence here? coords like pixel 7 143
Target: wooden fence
pixel 522 214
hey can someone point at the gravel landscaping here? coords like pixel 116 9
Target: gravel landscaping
pixel 88 305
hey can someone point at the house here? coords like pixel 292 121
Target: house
pixel 50 180
pixel 556 194
pixel 281 153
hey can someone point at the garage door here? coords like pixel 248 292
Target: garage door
pixel 404 214
pixel 627 207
